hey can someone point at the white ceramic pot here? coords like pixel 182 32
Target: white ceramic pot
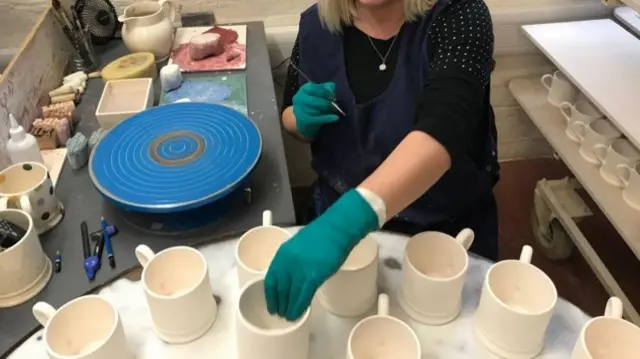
pixel 24 267
pixel 148 27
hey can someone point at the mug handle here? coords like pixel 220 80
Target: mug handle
pixel 43 312
pixel 545 79
pixel 600 151
pixel 623 171
pixel 465 238
pixel 579 128
pixel 526 254
pixel 267 218
pixel 169 9
pixel 383 305
pixel 565 109
pixel 144 254
pixel 614 308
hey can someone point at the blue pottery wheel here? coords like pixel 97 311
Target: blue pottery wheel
pixel 175 157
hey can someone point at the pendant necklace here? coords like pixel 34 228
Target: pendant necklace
pixel 383 65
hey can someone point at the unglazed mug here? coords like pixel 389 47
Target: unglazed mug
pixel 433 275
pixel 608 336
pixel 581 111
pixel 630 178
pixel 176 284
pixel 28 186
pixel 619 152
pixel 383 336
pixel 257 247
pixel 24 267
pixel 515 308
pixel 87 327
pixel 265 336
pixel 353 290
pixel 598 134
pixel 559 87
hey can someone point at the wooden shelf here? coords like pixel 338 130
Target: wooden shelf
pixel 531 95
pixel 603 60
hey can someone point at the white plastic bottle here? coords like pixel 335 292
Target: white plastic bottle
pixel 22 146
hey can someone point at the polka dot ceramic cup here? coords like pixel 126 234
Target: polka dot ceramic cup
pixel 28 186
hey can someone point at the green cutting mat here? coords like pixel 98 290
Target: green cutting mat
pixel 229 89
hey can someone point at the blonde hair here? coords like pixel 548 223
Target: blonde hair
pixel 335 13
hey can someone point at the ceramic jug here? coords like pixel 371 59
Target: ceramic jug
pixel 148 27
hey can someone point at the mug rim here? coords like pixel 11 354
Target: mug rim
pixel 65 306
pixel 437 279
pixel 376 256
pixel 243 238
pixel 184 293
pixel 267 332
pixel 386 317
pixel 581 339
pixel 29 230
pixel 38 164
pixel 518 311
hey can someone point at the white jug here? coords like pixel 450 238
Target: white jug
pixel 148 27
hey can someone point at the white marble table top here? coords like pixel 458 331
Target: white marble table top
pixel 329 333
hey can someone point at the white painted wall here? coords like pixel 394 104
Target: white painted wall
pixel 518 137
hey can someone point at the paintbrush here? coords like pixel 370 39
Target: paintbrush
pixel 57 8
pixel 335 105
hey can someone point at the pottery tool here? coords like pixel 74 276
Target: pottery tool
pixel 335 105
pixel 99 248
pixel 132 66
pixel 152 163
pixel 107 242
pixel 91 262
pixel 57 262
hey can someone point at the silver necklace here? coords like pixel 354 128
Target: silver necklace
pixel 383 65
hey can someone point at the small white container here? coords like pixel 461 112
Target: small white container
pixel 122 99
pixel 22 146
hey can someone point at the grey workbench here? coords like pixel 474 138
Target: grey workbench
pixel 270 189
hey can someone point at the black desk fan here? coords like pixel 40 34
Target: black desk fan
pixel 99 17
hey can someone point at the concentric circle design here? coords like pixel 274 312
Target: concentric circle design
pixel 175 157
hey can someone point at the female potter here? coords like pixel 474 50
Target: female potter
pixel 416 149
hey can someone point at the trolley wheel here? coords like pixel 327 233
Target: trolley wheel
pixel 552 239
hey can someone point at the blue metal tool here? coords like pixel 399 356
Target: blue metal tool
pixel 107 242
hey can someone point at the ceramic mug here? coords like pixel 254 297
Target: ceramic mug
pixel 515 308
pixel 619 152
pixel 176 284
pixel 433 275
pixel 581 111
pixel 630 178
pixel 24 267
pixel 353 290
pixel 559 87
pixel 257 247
pixel 28 186
pixel 87 327
pixel 608 336
pixel 598 134
pixel 265 336
pixel 383 336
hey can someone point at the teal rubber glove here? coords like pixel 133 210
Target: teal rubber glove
pixel 304 262
pixel 312 107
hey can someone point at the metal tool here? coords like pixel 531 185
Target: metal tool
pixel 335 105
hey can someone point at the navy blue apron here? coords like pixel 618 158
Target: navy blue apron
pixel 346 152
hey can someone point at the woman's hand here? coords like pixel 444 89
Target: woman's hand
pixel 312 107
pixel 315 253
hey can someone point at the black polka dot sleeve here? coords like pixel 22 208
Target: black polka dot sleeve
pixel 291 86
pixel 453 104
